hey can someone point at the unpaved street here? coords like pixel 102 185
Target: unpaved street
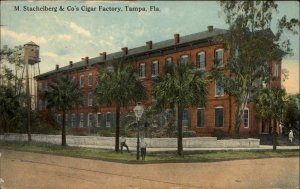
pixel 22 170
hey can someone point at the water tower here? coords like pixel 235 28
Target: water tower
pixel 31 56
pixel 32 51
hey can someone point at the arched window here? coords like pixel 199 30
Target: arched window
pixel 219 56
pixel 184 59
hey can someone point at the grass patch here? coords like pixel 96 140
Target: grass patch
pixel 152 157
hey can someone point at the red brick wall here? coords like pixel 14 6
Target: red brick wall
pixel 212 103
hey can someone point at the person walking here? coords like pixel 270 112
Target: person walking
pixel 291 135
pixel 123 144
pixel 143 146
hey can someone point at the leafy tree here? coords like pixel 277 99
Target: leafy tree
pixel 9 105
pixel 252 46
pixel 269 105
pixel 181 87
pixel 63 95
pixel 119 85
pixel 11 85
pixel 291 112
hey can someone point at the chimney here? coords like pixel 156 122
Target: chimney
pixel 210 28
pixel 103 55
pixel 57 67
pixel 125 50
pixel 149 45
pixel 71 63
pixel 176 38
pixel 87 60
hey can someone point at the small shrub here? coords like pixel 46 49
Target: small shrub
pixel 220 134
pixel 187 134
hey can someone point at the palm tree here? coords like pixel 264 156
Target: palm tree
pixel 119 85
pixel 181 87
pixel 269 105
pixel 63 95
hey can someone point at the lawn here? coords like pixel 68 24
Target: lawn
pixel 153 157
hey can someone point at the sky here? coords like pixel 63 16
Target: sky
pixel 74 32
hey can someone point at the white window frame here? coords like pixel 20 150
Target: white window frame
pixel 221 64
pixel 90 76
pixel 199 62
pixel 108 123
pixel 155 69
pixel 90 122
pixel 216 90
pixel 81 119
pixel 219 107
pixel 169 61
pixel 90 99
pixel 81 80
pixel 142 67
pixel 184 59
pixel 248 123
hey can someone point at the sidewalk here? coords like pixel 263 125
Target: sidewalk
pixel 261 147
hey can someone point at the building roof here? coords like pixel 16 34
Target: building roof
pixel 31 43
pixel 140 50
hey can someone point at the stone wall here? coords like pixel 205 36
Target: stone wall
pixel 109 142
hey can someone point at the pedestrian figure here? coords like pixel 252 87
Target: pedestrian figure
pixel 280 128
pixel 143 146
pixel 123 144
pixel 291 135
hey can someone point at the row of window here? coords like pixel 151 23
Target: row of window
pixel 44 86
pixel 184 59
pixel 106 119
pixel 87 120
pixel 219 91
pixel 219 117
pixel 81 80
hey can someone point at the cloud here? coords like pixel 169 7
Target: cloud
pixel 22 37
pixel 64 37
pixel 79 30
pixel 49 54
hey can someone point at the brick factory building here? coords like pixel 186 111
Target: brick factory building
pixel 151 59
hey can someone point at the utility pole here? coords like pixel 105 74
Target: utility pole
pixel 28 96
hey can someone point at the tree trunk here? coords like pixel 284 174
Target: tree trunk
pixel 179 131
pixel 230 119
pixel 241 104
pixel 63 130
pixel 238 121
pixel 117 128
pixel 274 134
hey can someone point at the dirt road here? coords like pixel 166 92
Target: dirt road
pixel 22 170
